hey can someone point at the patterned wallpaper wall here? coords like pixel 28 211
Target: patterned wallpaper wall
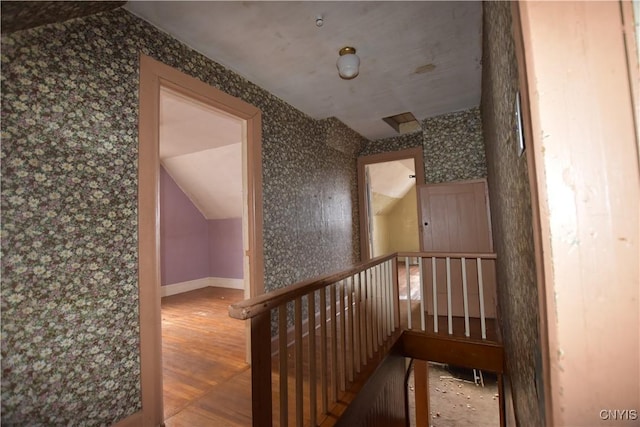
pixel 453 146
pixel 511 216
pixel 69 245
pixel 396 143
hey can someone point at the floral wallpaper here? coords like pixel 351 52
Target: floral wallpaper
pixel 69 195
pixel 395 143
pixel 511 217
pixel 20 15
pixel 453 147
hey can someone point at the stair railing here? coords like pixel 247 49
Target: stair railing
pixel 450 286
pixel 310 340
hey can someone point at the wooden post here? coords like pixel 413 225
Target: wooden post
pixel 501 399
pixel 396 296
pixel 261 369
pixel 421 381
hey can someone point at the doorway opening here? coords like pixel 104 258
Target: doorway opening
pixel 172 165
pixel 387 195
pixel 388 202
pixel 201 250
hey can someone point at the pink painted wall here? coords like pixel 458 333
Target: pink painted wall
pixel 587 176
pixel 225 248
pixel 183 235
pixel 193 247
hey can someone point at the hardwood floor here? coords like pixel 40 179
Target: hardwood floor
pixel 207 381
pixel 414 281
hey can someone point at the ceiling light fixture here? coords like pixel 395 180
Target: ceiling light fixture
pixel 348 63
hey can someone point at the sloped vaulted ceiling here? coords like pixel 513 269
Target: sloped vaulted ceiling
pixel 200 147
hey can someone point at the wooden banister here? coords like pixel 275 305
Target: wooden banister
pixel 357 316
pixel 253 306
pixel 488 255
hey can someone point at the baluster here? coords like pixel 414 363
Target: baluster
pixel 323 350
pixel 379 309
pixel 343 334
pixel 373 312
pixel 334 344
pixel 408 281
pixel 381 303
pixel 299 361
pixel 365 318
pixel 434 287
pixel 351 352
pixel 389 297
pixel 284 370
pixel 449 314
pixel 311 309
pixel 357 347
pixel 423 326
pixel 483 326
pixel 465 299
pixel 396 294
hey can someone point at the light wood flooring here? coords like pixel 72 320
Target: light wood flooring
pixel 207 381
pixel 414 281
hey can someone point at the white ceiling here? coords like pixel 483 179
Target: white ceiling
pixel 422 57
pixel 390 180
pixel 201 149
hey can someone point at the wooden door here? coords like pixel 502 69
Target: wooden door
pixel 455 218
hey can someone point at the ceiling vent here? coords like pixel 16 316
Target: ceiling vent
pixel 403 123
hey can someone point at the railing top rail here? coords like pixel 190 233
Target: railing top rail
pixel 472 255
pixel 253 306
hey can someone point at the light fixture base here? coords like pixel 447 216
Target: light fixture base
pixel 347 50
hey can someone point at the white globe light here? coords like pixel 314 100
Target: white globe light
pixel 348 63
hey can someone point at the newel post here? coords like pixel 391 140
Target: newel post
pixel 261 370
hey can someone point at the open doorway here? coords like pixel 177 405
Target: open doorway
pixel 388 203
pixel 156 80
pixel 201 251
pixel 389 212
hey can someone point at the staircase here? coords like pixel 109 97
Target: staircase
pixel 331 350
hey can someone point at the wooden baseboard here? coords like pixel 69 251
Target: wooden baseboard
pixel 191 285
pixel 223 282
pixel 178 288
pixel 133 420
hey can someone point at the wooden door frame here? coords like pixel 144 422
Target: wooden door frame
pixel 411 153
pixel 153 75
pixel 533 159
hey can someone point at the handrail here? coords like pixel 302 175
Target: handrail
pixel 488 255
pixel 328 330
pixel 252 307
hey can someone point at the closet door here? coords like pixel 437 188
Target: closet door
pixel 455 218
